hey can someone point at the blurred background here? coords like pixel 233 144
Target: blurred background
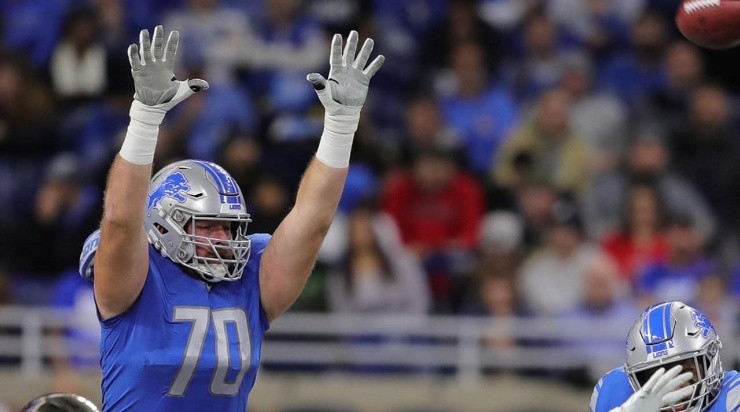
pixel 527 176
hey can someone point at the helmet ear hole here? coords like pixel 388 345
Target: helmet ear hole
pixel 161 229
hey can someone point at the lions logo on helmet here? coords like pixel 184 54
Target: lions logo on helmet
pixel 175 185
pixel 701 322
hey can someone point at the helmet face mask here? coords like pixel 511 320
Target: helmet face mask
pixel 224 257
pixel 189 192
pixel 672 333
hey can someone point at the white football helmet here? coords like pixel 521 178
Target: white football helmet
pixel 189 191
pixel 671 333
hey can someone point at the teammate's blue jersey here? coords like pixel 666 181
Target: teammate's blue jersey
pixel 613 389
pixel 182 347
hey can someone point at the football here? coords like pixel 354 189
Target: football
pixel 713 24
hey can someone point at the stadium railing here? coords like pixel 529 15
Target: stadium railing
pixel 466 347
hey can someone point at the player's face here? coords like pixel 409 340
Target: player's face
pixel 213 229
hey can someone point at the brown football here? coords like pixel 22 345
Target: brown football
pixel 714 24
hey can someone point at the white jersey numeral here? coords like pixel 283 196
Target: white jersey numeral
pixel 200 316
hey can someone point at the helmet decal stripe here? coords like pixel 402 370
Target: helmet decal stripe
pixel 226 185
pixel 657 327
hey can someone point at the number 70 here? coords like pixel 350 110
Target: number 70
pixel 199 316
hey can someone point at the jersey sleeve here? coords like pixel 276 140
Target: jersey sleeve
pixel 612 390
pixel 732 389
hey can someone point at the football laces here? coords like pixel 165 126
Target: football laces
pixel 694 5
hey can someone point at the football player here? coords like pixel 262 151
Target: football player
pixel 184 296
pixel 669 338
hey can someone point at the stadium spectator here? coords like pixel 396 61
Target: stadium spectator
pixel 479 111
pixel 680 275
pixel 415 18
pixel 597 117
pixel 684 73
pixel 27 112
pixel 499 300
pixel 66 210
pixel 552 279
pixel 438 210
pixel 213 35
pixel 94 132
pixel 377 273
pixel 544 147
pixel 705 148
pixel 501 240
pixel 337 16
pixel 78 63
pixel 639 239
pixel 435 205
pixel 539 65
pixel 638 72
pixel 32 28
pixel 601 26
pixel 241 155
pixel 498 257
pixel 535 201
pixel 462 24
pixel 716 302
pixel 286 38
pixel 268 203
pixel 202 125
pixel 425 125
pixel 508 15
pixel 647 160
pixel 606 300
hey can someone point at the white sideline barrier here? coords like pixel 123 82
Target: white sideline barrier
pixel 341 342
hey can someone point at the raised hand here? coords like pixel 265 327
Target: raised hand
pixel 349 79
pixel 662 389
pixel 152 67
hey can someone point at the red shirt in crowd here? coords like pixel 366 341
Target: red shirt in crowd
pixel 433 221
pixel 632 258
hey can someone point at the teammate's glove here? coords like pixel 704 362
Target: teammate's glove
pixel 662 389
pixel 348 84
pixel 157 91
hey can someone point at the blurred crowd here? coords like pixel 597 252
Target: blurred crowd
pixel 561 158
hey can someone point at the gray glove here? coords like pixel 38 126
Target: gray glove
pixel 348 82
pixel 662 389
pixel 153 71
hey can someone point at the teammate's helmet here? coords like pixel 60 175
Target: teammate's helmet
pixel 189 191
pixel 672 333
pixel 60 402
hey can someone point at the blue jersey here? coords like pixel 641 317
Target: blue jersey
pixel 184 346
pixel 613 389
